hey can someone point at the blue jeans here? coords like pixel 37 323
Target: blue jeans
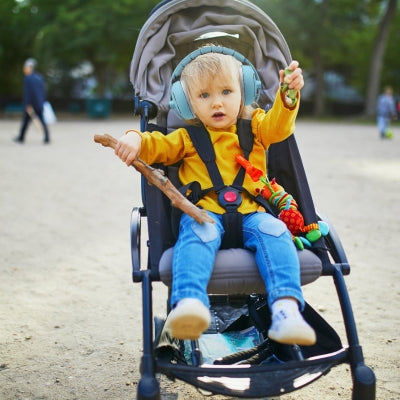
pixel 265 235
pixel 383 124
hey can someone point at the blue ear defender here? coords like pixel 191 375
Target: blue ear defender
pixel 251 83
pixel 179 102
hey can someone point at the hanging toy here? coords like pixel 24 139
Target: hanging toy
pixel 303 235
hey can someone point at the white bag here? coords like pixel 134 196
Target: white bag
pixel 48 113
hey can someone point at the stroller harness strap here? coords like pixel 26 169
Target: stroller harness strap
pixel 229 196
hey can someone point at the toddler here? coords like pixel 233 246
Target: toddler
pixel 213 85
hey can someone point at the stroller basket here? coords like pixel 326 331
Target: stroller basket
pixel 252 381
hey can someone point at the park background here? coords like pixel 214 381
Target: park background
pixel 69 314
pixel 348 50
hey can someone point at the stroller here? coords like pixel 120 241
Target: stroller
pixel 174 29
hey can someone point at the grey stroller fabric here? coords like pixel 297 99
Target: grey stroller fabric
pixel 181 26
pixel 236 272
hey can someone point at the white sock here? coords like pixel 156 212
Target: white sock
pixel 284 304
pixel 288 325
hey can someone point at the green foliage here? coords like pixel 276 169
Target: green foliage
pixel 99 31
pixel 391 67
pixel 336 35
pixel 62 35
pixel 17 35
pixel 323 35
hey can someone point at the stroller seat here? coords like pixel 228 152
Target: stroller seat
pixel 236 272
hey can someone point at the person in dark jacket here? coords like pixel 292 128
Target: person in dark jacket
pixel 34 96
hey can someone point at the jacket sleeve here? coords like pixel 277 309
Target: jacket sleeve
pixel 166 149
pixel 277 124
pixel 27 90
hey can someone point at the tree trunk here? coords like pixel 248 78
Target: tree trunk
pixel 377 57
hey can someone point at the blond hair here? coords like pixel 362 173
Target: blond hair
pixel 212 65
pixel 208 66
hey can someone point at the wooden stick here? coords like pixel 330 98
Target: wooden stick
pixel 158 179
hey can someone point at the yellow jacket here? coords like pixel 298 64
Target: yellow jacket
pixel 271 127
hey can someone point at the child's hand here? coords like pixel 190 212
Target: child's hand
pixel 128 147
pixel 295 79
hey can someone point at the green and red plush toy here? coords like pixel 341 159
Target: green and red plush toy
pixel 303 235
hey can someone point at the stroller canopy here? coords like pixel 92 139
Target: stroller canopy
pixel 177 27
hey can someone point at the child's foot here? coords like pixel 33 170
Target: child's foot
pixel 189 319
pixel 288 325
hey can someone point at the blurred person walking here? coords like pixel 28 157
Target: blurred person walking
pixel 34 96
pixel 386 111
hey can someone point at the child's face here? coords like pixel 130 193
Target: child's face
pixel 216 101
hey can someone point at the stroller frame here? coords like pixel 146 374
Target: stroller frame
pixel 276 380
pixel 284 162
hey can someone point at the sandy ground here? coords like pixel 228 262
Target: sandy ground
pixel 70 317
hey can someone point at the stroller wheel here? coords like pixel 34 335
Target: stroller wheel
pixel 364 383
pixel 148 389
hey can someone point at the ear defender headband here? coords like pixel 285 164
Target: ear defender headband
pixel 251 83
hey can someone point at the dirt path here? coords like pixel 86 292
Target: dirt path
pixel 69 314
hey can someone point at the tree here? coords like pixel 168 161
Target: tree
pixel 324 35
pixel 63 35
pixel 100 32
pixel 377 57
pixel 332 35
pixel 316 36
pixel 17 35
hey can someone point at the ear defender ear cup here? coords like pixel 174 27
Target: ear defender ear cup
pixel 179 102
pixel 251 85
pixel 250 81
